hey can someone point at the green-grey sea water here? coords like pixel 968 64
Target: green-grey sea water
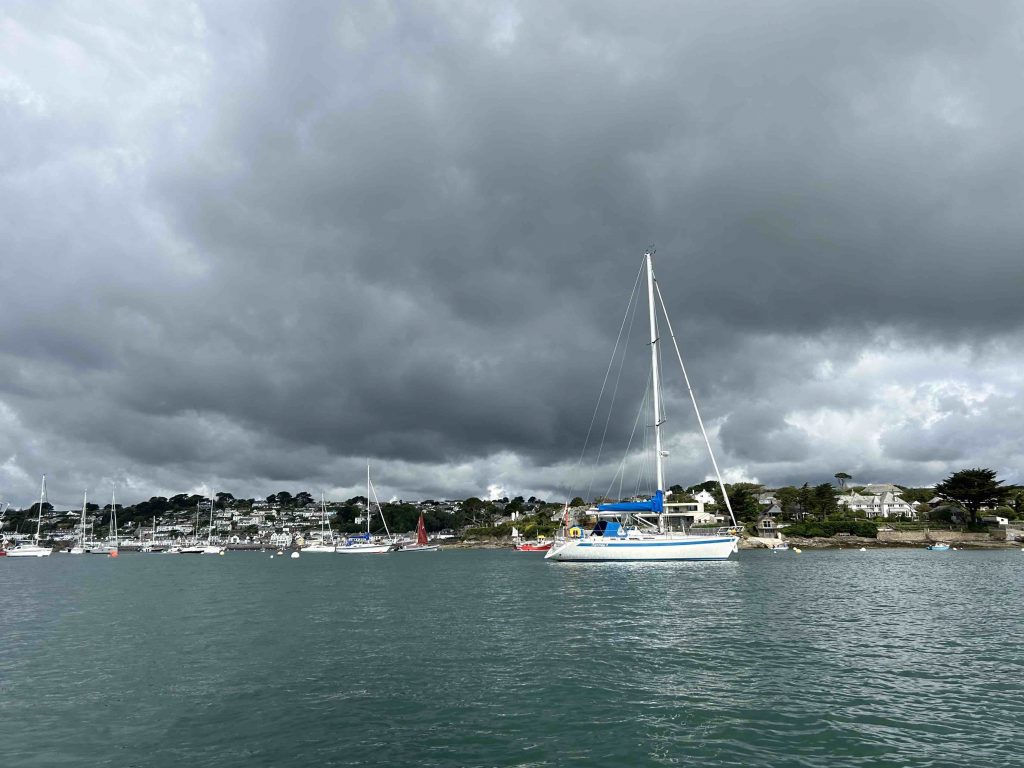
pixel 495 658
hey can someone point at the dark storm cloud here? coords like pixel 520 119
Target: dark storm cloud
pixel 257 242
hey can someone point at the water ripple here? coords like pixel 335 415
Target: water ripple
pixel 900 658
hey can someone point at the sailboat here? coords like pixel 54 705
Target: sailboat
pixel 325 532
pixel 3 539
pixel 110 547
pixel 648 529
pixel 192 546
pixel 35 549
pixel 422 541
pixel 365 543
pixel 209 548
pixel 79 548
pixel 149 546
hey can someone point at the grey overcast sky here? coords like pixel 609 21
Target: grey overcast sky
pixel 249 245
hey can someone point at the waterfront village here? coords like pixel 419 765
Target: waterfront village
pixel 886 512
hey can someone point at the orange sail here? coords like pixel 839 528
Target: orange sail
pixel 421 532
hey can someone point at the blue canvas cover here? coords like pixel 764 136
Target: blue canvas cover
pixel 608 528
pixel 654 504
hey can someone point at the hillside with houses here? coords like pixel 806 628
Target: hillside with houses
pixel 283 518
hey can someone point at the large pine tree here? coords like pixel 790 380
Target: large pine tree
pixel 971 488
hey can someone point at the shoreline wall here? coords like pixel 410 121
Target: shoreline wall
pixel 925 536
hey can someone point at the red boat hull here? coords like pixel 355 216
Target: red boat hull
pixel 533 547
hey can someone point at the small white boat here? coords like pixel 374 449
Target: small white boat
pixel 93 548
pixel 422 542
pixel 207 548
pixel 29 550
pixel 357 545
pixel 321 548
pixel 26 549
pixel 326 534
pixel 79 548
pixel 938 547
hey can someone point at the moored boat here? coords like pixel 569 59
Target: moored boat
pixel 651 529
pixel 326 543
pixel 33 549
pixel 422 541
pixel 540 544
pixel 366 543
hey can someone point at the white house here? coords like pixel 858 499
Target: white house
pixel 282 539
pixel 704 498
pixel 887 504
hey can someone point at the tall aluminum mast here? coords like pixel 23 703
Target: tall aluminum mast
pixel 113 514
pixel 39 519
pixel 655 373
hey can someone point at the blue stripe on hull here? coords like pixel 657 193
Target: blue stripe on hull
pixel 621 544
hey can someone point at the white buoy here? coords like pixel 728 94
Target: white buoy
pixel 271 557
pixel 863 549
pixel 797 550
pixel 295 555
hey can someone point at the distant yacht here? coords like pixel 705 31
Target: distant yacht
pixel 210 548
pixel 648 529
pixel 79 548
pixel 365 543
pixel 110 546
pixel 35 549
pixel 326 534
pixel 422 541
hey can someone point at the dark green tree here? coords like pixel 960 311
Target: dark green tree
pixel 825 504
pixel 787 498
pixel 842 477
pixel 805 499
pixel 971 488
pixel 711 486
pixel 743 498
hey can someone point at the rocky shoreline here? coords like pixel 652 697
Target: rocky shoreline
pixel 856 542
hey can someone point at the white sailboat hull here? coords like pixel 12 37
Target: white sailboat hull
pixel 29 550
pixel 314 548
pixel 420 548
pixel 363 549
pixel 101 550
pixel 653 548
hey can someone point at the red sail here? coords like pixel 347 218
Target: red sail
pixel 421 532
